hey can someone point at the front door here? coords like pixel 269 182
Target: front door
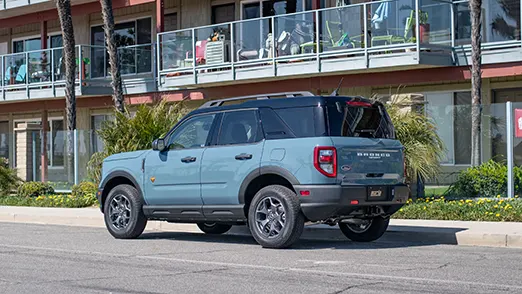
pixel 172 177
pixel 236 153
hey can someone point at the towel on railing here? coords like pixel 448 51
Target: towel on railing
pixel 380 14
pixel 22 71
pixel 7 73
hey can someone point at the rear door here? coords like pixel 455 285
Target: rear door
pixel 367 151
pixel 235 152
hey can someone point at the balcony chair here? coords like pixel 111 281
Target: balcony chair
pixel 340 39
pixel 21 75
pixel 389 38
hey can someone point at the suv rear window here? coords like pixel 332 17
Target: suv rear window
pixel 295 122
pixel 359 121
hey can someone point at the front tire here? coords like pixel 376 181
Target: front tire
pixel 365 233
pixel 123 213
pixel 275 218
pixel 213 228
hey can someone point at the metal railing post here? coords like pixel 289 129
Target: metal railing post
pixel 158 60
pixel 2 68
pixel 27 74
pixel 194 56
pixel 52 73
pixel 232 56
pixel 153 65
pixel 509 141
pixel 365 34
pixel 80 67
pixel 75 152
pixel 274 68
pixel 417 28
pixel 104 62
pixel 452 24
pixel 318 23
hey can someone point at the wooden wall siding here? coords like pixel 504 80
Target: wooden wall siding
pixel 28 28
pixel 126 12
pixel 195 13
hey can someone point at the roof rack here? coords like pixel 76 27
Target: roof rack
pixel 216 103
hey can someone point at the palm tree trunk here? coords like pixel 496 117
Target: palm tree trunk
pixel 69 54
pixel 476 79
pixel 108 21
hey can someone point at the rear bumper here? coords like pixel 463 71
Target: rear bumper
pixel 327 201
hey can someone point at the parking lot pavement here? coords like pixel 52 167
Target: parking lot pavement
pixel 65 259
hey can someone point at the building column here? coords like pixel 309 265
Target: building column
pixel 44 159
pixel 160 16
pixel 25 151
pixel 43 45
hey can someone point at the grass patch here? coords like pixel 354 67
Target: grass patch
pixel 495 209
pixel 59 200
pixel 435 191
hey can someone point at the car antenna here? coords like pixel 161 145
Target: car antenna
pixel 335 92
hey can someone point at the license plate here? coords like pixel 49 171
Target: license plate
pixel 377 193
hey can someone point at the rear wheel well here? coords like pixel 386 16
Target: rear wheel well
pixel 261 182
pixel 113 183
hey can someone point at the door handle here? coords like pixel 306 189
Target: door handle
pixel 243 156
pixel 188 159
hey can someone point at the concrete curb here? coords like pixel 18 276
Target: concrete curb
pixel 412 231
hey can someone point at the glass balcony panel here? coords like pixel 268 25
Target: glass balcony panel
pixel 435 22
pixel 15 69
pixel 213 45
pixel 295 34
pixel 392 23
pixel 252 40
pixel 39 68
pixel 175 48
pixel 342 28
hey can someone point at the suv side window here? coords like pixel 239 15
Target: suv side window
pixel 239 127
pixel 193 133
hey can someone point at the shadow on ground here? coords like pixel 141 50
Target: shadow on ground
pixel 398 237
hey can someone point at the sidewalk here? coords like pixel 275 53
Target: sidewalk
pixel 424 231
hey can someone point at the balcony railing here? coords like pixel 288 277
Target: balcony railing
pixel 366 35
pixel 7 4
pixel 41 73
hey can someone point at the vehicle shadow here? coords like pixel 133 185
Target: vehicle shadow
pixel 396 237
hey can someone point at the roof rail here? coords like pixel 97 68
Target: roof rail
pixel 216 103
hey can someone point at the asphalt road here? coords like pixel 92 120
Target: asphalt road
pixel 62 259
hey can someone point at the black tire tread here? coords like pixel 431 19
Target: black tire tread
pixel 217 229
pixel 377 229
pixel 138 223
pixel 294 206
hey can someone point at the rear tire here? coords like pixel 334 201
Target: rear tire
pixel 213 228
pixel 374 231
pixel 123 213
pixel 275 218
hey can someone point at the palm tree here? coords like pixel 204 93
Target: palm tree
pixel 69 57
pixel 501 26
pixel 475 7
pixel 108 21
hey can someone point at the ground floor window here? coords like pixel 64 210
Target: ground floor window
pixel 97 144
pixel 498 124
pixel 451 113
pixel 4 139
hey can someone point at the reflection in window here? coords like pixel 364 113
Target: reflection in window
pixel 238 127
pixel 192 133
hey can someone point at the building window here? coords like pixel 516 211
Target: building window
pixel 97 144
pixel 451 113
pixel 137 58
pixel 4 139
pixel 223 13
pixel 56 148
pixel 497 123
pixel 34 44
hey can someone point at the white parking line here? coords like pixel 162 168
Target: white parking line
pixel 272 268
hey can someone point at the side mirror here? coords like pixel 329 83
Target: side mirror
pixel 158 145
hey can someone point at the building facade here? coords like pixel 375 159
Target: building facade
pixel 208 49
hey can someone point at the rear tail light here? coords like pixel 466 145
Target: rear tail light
pixel 358 103
pixel 325 161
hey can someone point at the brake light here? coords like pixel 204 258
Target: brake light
pixel 325 160
pixel 358 103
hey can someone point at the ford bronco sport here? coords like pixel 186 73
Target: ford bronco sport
pixel 272 162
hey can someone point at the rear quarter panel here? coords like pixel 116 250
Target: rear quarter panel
pixel 297 157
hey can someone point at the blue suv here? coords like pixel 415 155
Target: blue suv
pixel 272 162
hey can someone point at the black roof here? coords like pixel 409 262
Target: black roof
pixel 289 102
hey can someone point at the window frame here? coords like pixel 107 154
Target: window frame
pixel 181 123
pixel 33 37
pixel 260 135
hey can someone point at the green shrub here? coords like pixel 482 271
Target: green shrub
pixel 49 201
pixel 84 189
pixel 486 180
pixel 134 132
pixel 8 178
pixel 34 189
